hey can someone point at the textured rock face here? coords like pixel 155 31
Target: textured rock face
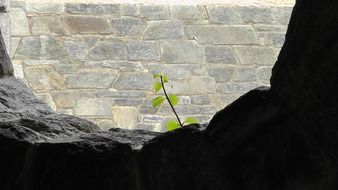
pixel 282 139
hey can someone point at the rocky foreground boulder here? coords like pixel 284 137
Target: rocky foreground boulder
pixel 283 138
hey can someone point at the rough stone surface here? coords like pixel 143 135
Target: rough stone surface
pixel 222 34
pixel 256 15
pixel 97 9
pixel 129 10
pixel 38 7
pixel 19 23
pixel 93 107
pixel 223 15
pixel 186 12
pixel 128 26
pixel 92 79
pixel 86 24
pixel 47 25
pixel 182 52
pixel 143 51
pixel 155 12
pixel 256 55
pixel 108 50
pixel 189 43
pixel 224 55
pixel 134 81
pixel 157 30
pixel 221 73
pixel 43 78
pixel 246 74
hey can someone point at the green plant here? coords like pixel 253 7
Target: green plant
pixel 172 99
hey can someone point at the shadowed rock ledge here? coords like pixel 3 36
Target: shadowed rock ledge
pixel 283 138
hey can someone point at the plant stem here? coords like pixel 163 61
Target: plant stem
pixel 172 107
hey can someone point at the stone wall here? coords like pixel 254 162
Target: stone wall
pixel 96 60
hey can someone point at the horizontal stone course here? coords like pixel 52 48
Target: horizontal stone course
pixel 225 34
pixel 86 24
pixel 92 78
pixel 181 51
pixel 157 30
pixel 143 51
pixel 96 9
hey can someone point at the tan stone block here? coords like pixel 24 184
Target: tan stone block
pixel 125 117
pixel 86 24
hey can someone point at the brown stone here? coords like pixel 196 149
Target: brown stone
pixel 86 24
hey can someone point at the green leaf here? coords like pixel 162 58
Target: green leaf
pixel 157 101
pixel 165 78
pixel 172 125
pixel 174 99
pixel 191 120
pixel 157 76
pixel 157 86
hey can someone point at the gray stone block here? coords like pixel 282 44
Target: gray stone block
pixel 200 99
pixel 19 23
pixel 186 12
pixel 129 10
pixel 264 74
pixel 29 48
pixel 112 93
pixel 193 86
pixel 94 9
pixel 253 14
pixel 108 50
pixel 123 66
pixel 245 74
pixel 224 55
pixel 255 55
pixel 86 24
pixel 275 39
pixel 174 72
pixel 134 81
pixel 143 51
pixel 47 25
pixel 182 52
pixel 91 78
pixel 220 14
pixel 76 49
pixel 66 68
pixel 127 101
pixel 221 73
pixel 154 12
pixel 128 26
pixel 93 107
pixel 222 34
pixel 156 30
pixel 52 48
pixel 270 28
pixel 282 15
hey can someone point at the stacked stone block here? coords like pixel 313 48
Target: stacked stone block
pixel 96 61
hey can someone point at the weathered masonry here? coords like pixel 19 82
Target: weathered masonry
pixel 96 60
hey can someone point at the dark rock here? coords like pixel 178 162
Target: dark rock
pixel 182 159
pixel 283 138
